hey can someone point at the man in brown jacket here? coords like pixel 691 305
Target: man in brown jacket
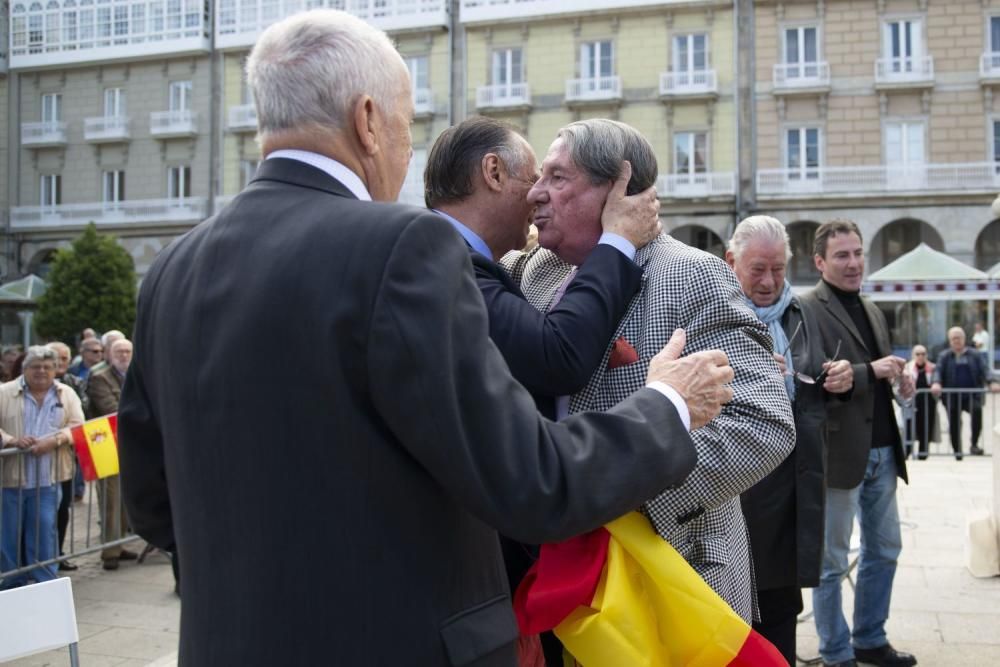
pixel 104 388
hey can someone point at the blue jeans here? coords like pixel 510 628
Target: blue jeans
pixel 29 525
pixel 875 501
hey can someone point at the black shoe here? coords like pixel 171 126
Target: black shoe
pixel 958 456
pixel 884 656
pixel 845 663
pixel 921 457
pixel 110 564
pixel 976 451
pixel 67 566
pixel 127 555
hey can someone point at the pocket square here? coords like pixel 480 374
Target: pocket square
pixel 622 354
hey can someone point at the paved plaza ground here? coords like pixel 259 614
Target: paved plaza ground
pixel 939 611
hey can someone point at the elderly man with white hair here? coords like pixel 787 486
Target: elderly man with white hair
pixel 784 511
pixel 393 411
pixel 36 415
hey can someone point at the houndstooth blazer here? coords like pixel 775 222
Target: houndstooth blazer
pixel 685 287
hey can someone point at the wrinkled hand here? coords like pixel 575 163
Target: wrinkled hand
pixel 24 442
pixel 936 389
pixel 839 376
pixel 699 378
pixel 889 367
pixel 782 364
pixel 636 218
pixel 907 386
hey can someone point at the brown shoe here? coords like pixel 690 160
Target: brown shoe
pixel 127 555
pixel 110 564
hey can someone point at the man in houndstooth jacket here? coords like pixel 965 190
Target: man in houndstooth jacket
pixel 681 288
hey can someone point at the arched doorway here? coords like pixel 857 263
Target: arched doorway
pixel 41 263
pixel 898 238
pixel 701 238
pixel 988 246
pixel 801 267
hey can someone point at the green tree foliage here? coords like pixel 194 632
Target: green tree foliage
pixel 91 284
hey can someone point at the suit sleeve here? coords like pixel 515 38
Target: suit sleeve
pixel 444 391
pixel 555 353
pixel 140 449
pixel 755 431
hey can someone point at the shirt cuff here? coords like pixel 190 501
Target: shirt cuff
pixel 620 243
pixel 675 398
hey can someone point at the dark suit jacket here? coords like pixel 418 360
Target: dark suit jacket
pixel 386 440
pixel 104 390
pixel 784 511
pixel 849 423
pixel 946 373
pixel 555 353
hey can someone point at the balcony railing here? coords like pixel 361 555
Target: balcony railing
pixel 475 11
pixel 423 102
pixel 695 186
pixel 46 133
pixel 242 118
pixel 904 72
pixel 137 212
pixel 797 77
pixel 122 29
pixel 689 82
pixel 864 180
pixel 106 129
pixel 239 22
pixel 989 66
pixel 167 124
pixel 504 95
pixel 595 89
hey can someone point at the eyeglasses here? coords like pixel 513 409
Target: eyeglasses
pixel 802 377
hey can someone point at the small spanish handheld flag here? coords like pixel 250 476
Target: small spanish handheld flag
pixel 621 596
pixel 96 443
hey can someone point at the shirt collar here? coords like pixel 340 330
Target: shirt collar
pixel 329 166
pixel 473 239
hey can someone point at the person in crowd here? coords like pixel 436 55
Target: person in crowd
pixel 981 341
pixel 865 455
pixel 7 357
pixel 477 177
pixel 36 415
pixel 407 424
pixel 784 511
pixel 923 426
pixel 107 340
pixel 66 487
pixel 78 359
pixel 682 288
pixel 104 388
pixel 91 354
pixel 962 367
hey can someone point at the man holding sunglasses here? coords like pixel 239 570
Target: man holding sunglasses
pixel 865 455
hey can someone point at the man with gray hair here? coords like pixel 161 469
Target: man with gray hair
pixel 403 421
pixel 682 288
pixel 36 415
pixel 784 511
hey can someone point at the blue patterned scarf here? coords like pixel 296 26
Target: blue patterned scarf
pixel 771 316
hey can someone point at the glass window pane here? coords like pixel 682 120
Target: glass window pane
pixel 682 155
pixel 700 153
pixel 681 57
pixel 809 45
pixel 995 34
pixel 516 75
pixel 794 148
pixel 606 68
pixel 792 45
pixel 700 59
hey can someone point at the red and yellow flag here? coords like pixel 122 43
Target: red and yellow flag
pixel 96 443
pixel 622 597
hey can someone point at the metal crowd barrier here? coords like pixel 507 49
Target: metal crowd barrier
pixel 84 526
pixel 930 418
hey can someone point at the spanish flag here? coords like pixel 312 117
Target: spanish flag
pixel 96 443
pixel 621 596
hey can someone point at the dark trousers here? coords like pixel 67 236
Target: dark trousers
pixel 956 403
pixel 923 423
pixel 62 514
pixel 779 609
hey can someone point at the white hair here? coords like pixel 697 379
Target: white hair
pixel 762 227
pixel 108 335
pixel 39 353
pixel 307 70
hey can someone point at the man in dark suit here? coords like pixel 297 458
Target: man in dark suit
pixel 477 177
pixel 784 511
pixel 962 367
pixel 393 417
pixel 865 455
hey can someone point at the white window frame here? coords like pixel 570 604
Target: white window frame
pixel 413 64
pixel 990 47
pixel 804 173
pixel 179 94
pixel 51 107
pixel 179 182
pixel 115 102
pixel 592 54
pixel 502 62
pixel 993 147
pixel 691 174
pixel 806 68
pixel 918 44
pixel 248 169
pixel 50 190
pixel 905 121
pixel 113 186
pixel 689 67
